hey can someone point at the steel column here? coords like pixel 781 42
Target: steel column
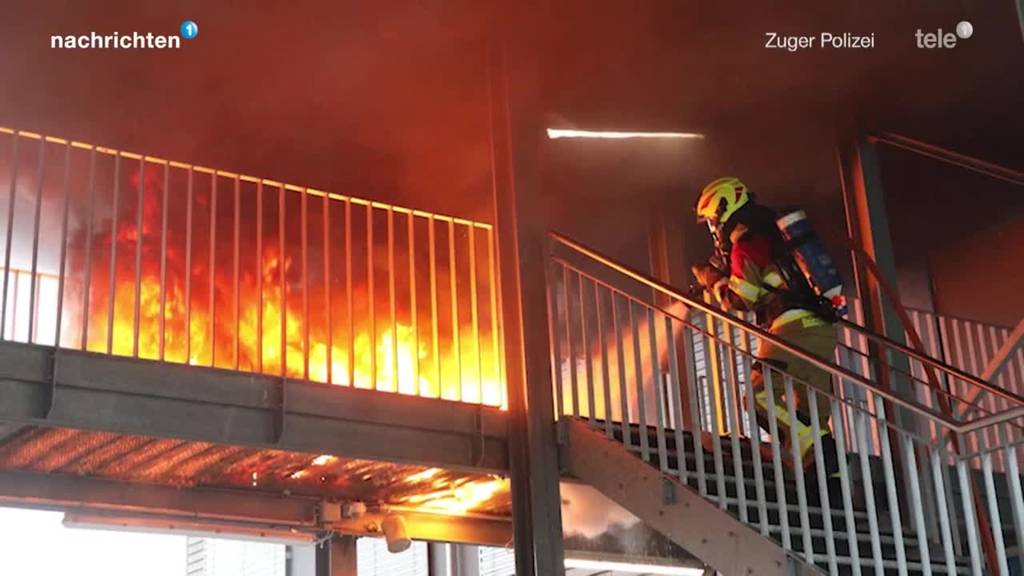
pixel 868 224
pixel 337 557
pixel 467 560
pixel 439 561
pixel 516 132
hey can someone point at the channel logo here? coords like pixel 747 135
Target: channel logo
pixel 941 39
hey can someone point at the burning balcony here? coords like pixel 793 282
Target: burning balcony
pixel 129 255
pixel 168 327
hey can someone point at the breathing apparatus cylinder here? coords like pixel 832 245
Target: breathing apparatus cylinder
pixel 812 258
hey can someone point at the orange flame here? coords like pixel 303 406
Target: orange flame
pixel 387 358
pixel 456 497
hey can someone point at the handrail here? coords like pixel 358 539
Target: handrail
pixel 924 358
pixel 908 327
pixel 728 343
pixel 951 424
pixel 950 157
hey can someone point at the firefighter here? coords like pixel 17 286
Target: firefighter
pixel 753 271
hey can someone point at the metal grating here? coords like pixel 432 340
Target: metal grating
pixel 198 464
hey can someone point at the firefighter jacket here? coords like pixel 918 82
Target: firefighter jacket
pixel 755 281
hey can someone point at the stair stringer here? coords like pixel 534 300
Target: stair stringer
pixel 675 510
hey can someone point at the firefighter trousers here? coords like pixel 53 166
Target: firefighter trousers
pixel 818 338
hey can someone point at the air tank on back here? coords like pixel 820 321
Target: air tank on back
pixel 812 258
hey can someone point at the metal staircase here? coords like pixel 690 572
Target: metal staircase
pixel 652 395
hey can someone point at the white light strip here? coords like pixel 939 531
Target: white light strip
pixel 554 133
pixel 585 564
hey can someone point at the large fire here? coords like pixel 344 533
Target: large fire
pixel 456 497
pixel 267 312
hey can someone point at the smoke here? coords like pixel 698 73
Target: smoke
pixel 587 512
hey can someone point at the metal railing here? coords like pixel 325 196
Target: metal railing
pixel 669 378
pixel 967 347
pixel 120 253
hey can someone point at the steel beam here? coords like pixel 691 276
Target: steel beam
pixel 696 524
pixel 128 396
pixel 235 512
pixel 76 493
pixel 159 524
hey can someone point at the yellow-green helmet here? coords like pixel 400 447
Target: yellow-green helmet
pixel 721 199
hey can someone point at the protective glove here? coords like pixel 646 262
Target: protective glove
pixel 707 275
pixel 714 282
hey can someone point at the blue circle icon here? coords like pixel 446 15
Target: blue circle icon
pixel 189 29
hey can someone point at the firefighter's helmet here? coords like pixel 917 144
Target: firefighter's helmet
pixel 721 199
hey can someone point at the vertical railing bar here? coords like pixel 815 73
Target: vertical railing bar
pixel 188 268
pixel 35 242
pixel 620 357
pixel 10 234
pixel 732 406
pixel 260 301
pixel 473 303
pixel 755 441
pixel 348 295
pixel 937 464
pixel 1016 497
pixel 213 269
pixel 958 386
pixel 602 347
pixel 162 324
pixel 849 520
pixel 587 357
pixel 677 400
pixel 970 517
pixel 634 333
pixel 456 328
pixel 304 251
pixel 236 336
pixel 392 306
pixel 281 261
pixel 18 274
pixel 798 468
pixel 860 424
pixel 137 304
pixel 553 332
pixel 697 432
pixel 63 245
pixel 993 511
pixel 370 296
pixel 979 357
pixel 328 295
pixel 948 481
pixel 890 485
pixel 414 311
pixel 916 504
pixel 659 394
pixel 711 368
pixel 776 445
pixel 432 250
pixel 823 495
pixel 495 321
pixel 38 287
pixel 570 342
pixel 113 253
pixel 746 354
pixel 87 281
